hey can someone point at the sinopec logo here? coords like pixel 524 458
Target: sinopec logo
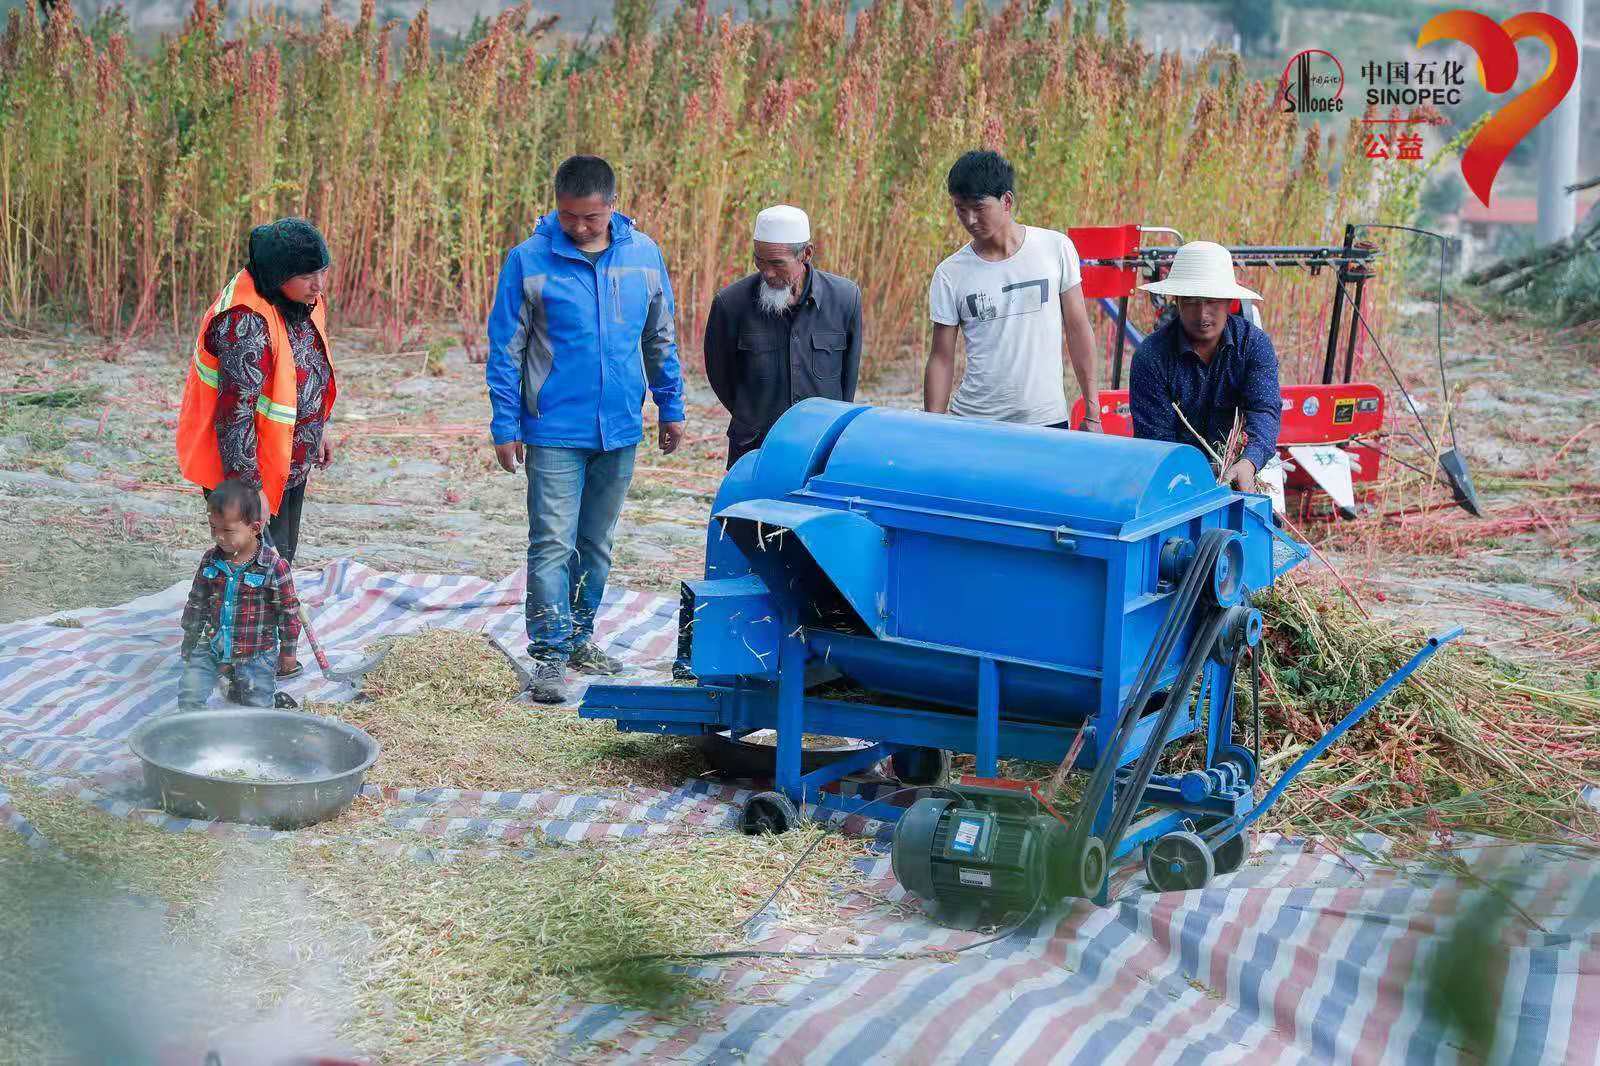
pixel 1312 84
pixel 1495 45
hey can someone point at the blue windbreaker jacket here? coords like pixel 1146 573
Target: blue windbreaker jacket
pixel 572 345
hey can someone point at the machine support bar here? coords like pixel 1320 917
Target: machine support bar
pixel 864 759
pixel 1311 754
pixel 1336 323
pixel 1122 339
pixel 1350 343
pixel 988 746
pixel 791 707
pixel 1117 312
pixel 876 809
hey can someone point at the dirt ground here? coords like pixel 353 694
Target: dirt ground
pixel 95 513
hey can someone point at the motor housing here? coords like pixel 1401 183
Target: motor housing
pixel 977 853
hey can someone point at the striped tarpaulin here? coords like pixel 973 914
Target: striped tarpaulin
pixel 1306 955
pixel 70 696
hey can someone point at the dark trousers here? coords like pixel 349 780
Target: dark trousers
pixel 738 451
pixel 285 525
pixel 283 532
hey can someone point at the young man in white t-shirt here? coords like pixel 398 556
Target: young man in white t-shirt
pixel 1013 292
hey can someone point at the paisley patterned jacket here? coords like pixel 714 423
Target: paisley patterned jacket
pixel 238 338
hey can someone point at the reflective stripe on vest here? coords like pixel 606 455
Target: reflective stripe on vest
pixel 278 412
pixel 225 301
pixel 208 374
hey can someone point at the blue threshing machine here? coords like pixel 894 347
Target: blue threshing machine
pixel 1001 590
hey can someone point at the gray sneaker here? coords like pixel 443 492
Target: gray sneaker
pixel 548 683
pixel 588 658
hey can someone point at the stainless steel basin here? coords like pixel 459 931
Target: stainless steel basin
pixel 274 768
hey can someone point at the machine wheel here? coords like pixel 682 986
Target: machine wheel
pixel 768 812
pixel 921 766
pixel 1086 873
pixel 1179 862
pixel 1230 856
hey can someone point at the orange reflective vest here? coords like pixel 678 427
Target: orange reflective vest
pixel 199 456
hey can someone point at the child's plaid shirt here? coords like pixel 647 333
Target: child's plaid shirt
pixel 242 609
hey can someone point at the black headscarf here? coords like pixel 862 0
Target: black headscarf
pixel 282 250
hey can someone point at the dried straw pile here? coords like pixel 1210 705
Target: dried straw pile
pixel 1469 742
pixel 411 961
pixel 475 954
pixel 441 705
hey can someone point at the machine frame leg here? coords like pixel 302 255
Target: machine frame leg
pixel 1219 690
pixel 791 710
pixel 987 749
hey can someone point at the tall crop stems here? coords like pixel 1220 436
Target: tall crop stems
pixel 128 184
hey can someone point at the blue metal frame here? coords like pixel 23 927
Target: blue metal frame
pixel 786 708
pixel 1227 830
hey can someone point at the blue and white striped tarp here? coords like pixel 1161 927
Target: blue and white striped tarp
pixel 1303 956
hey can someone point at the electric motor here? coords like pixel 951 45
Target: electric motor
pixel 985 852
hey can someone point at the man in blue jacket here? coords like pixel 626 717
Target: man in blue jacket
pixel 582 321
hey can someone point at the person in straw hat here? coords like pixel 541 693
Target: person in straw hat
pixel 784 333
pixel 1208 363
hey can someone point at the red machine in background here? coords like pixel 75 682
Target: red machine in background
pixel 1330 428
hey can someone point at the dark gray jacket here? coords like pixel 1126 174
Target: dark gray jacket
pixel 761 364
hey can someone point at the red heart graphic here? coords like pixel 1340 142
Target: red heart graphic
pixel 1496 48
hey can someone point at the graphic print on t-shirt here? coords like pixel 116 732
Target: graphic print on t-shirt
pixel 1018 298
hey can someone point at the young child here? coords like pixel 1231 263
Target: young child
pixel 242 611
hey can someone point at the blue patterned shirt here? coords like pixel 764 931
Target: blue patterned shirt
pixel 1242 376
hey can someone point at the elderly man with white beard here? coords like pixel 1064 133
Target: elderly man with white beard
pixel 782 334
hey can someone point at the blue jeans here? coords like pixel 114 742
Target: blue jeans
pixel 574 498
pixel 254 679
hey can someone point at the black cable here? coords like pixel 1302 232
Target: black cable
pixel 794 868
pixel 920 953
pixel 1412 404
pixel 1438 314
pixel 1364 442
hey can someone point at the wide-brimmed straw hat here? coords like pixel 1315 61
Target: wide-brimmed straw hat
pixel 1202 269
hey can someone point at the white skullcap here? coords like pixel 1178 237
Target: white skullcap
pixel 783 225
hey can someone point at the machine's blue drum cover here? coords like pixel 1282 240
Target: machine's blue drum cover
pixel 1013 471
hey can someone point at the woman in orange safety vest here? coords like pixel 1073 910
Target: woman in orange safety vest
pixel 261 385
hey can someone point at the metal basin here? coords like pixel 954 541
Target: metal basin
pixel 275 768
